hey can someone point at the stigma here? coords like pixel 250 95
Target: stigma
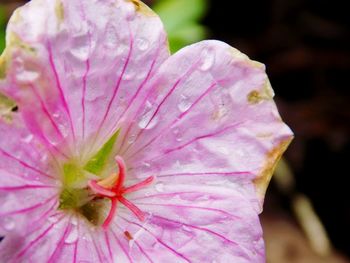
pixel 113 188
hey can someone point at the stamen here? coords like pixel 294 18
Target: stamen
pixel 133 208
pixel 112 188
pixel 122 169
pixel 111 214
pixel 100 190
pixel 137 186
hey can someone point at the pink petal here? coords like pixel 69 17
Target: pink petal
pixel 69 60
pixel 195 224
pixel 22 154
pixel 210 115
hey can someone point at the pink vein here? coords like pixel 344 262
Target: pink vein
pixel 209 135
pixel 108 245
pixel 193 207
pixel 96 248
pixel 138 90
pixel 84 93
pixel 116 88
pixel 159 240
pixel 25 164
pixel 206 174
pixel 199 228
pixel 143 252
pixel 58 250
pixel 177 82
pixel 208 90
pixel 29 208
pixel 24 187
pixel 25 250
pixel 121 246
pixel 58 84
pixel 45 110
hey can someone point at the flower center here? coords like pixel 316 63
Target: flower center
pixel 113 188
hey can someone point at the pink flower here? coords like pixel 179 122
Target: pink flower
pixel 120 152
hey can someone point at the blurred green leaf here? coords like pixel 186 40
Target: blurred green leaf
pixel 181 19
pixel 2 28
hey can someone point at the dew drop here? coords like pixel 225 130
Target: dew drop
pixel 159 187
pixel 72 236
pixel 9 223
pixel 82 47
pixel 148 121
pixel 132 139
pixel 178 134
pixel 184 103
pixel 28 138
pixel 142 43
pixel 111 38
pixel 208 56
pixel 27 76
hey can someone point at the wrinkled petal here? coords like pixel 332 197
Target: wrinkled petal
pixel 209 118
pixel 66 60
pixel 200 223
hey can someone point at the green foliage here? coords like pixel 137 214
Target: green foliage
pixel 2 28
pixel 181 19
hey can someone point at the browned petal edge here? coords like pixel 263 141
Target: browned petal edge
pixel 263 179
pixel 142 8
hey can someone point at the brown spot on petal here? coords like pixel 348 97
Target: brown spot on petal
pixel 266 93
pixel 128 235
pixel 272 158
pixel 254 97
pixel 140 7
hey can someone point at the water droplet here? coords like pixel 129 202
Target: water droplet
pixel 111 39
pixel 72 236
pixel 82 46
pixel 132 139
pixel 208 56
pixel 8 223
pixel 142 43
pixel 129 75
pixel 28 138
pixel 178 134
pixel 27 75
pixel 53 219
pixel 148 121
pixel 184 103
pixel 160 187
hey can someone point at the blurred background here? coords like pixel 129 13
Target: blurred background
pixel 305 46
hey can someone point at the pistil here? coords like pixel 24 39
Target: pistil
pixel 113 188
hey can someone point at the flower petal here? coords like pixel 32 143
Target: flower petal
pixel 209 118
pixel 65 61
pixel 199 223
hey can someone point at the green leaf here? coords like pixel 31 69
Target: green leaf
pixel 98 162
pixel 2 29
pixel 181 19
pixel 188 34
pixel 175 13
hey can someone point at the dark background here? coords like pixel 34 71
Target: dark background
pixel 305 46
